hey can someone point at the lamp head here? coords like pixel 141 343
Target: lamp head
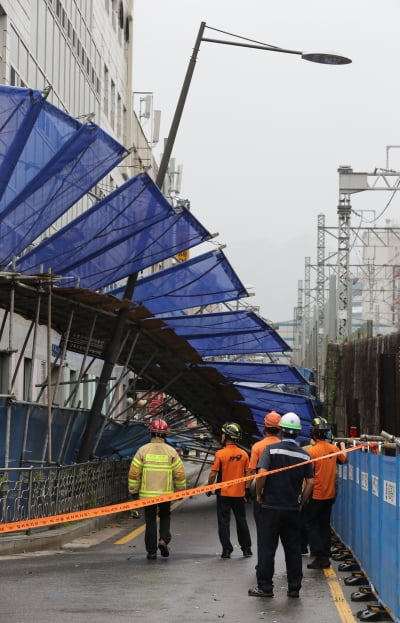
pixel 326 58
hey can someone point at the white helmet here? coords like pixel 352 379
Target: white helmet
pixel 290 420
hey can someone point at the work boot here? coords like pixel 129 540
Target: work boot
pixel 293 593
pixel 151 555
pixel 259 592
pixel 163 547
pixel 319 563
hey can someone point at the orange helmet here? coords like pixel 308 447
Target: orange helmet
pixel 159 426
pixel 272 420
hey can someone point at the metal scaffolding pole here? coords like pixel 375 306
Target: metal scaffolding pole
pixel 307 302
pixel 320 293
pixel 299 322
pixel 344 317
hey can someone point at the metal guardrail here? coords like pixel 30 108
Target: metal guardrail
pixel 385 443
pixel 34 492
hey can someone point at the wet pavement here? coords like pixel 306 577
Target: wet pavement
pixel 106 577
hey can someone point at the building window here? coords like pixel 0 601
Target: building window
pixel 27 379
pixel 4 372
pixel 124 125
pixel 127 30
pixel 119 116
pixel 105 90
pixel 13 78
pixel 112 105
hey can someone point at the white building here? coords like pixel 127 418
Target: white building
pixel 380 281
pixel 82 49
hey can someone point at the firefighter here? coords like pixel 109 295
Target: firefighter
pixel 318 509
pixel 156 469
pixel 231 462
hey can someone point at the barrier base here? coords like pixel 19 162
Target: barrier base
pixel 355 579
pixel 364 594
pixel 374 613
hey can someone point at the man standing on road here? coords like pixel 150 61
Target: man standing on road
pixel 156 469
pixel 282 496
pixel 271 432
pixel 318 509
pixel 231 462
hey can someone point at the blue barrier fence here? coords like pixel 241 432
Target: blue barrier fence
pixel 24 435
pixel 366 517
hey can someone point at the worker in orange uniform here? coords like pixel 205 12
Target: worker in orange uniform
pixel 271 435
pixel 319 507
pixel 231 462
pixel 156 469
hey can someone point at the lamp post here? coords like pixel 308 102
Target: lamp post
pixel 314 57
pixel 112 347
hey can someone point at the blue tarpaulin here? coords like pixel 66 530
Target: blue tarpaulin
pixel 131 229
pixel 203 280
pixel 239 344
pixel 219 323
pixel 258 372
pixel 260 401
pixel 227 333
pixel 48 161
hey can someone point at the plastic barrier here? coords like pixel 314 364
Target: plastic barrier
pixel 366 517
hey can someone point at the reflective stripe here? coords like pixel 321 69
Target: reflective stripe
pixel 157 458
pixel 286 452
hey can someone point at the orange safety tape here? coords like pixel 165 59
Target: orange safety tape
pixel 89 513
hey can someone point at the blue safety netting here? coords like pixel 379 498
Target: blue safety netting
pixel 131 229
pixel 308 373
pixel 203 280
pixel 227 333
pixel 219 323
pixel 48 161
pixel 260 401
pixel 258 372
pixel 239 344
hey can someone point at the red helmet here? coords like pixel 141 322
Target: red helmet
pixel 272 420
pixel 159 426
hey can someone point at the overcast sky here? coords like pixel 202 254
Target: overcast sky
pixel 263 133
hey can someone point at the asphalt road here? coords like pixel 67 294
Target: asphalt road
pixel 106 578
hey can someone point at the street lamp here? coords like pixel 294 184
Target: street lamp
pixel 314 57
pixel 112 347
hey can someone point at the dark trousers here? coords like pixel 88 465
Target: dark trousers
pixel 318 523
pixel 150 535
pixel 257 516
pixel 286 525
pixel 225 505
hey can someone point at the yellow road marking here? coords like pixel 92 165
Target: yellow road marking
pixel 132 535
pixel 339 599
